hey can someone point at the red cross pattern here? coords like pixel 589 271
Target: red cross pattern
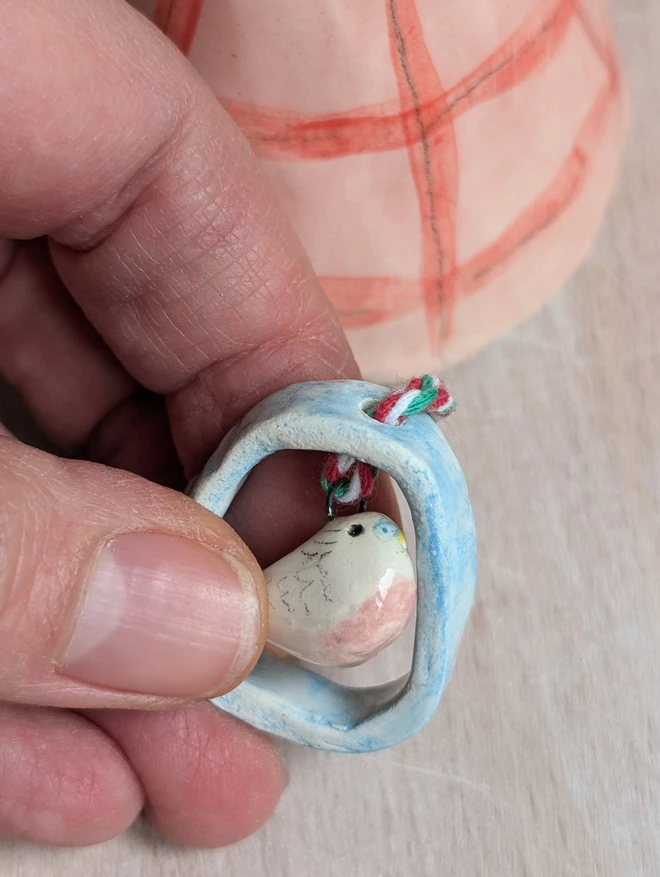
pixel 422 120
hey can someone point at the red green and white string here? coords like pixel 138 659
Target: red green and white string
pixel 346 480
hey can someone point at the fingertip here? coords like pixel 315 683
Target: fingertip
pixel 227 801
pixel 210 780
pixel 64 782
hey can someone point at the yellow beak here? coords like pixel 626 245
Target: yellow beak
pixel 402 540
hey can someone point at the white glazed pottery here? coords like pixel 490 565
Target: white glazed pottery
pixel 345 594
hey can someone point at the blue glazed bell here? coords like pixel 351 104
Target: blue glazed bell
pixel 280 696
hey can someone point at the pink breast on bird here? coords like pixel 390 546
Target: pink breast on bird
pixel 376 623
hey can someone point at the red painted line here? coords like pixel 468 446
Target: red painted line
pixel 433 164
pixel 423 122
pixel 604 48
pixel 282 135
pixel 178 19
pixel 368 301
pixel 527 51
pixel 564 188
pixel 382 298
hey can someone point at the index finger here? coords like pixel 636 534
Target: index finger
pixel 163 226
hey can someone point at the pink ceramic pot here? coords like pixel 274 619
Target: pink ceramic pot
pixel 446 163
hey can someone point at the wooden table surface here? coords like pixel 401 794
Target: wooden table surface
pixel 544 758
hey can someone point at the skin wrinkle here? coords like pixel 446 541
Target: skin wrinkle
pixel 63 549
pixel 197 234
pixel 205 227
pixel 256 332
pixel 145 294
pixel 251 342
pixel 136 271
pixel 209 774
pixel 92 227
pixel 80 484
pixel 197 748
pixel 245 266
pixel 209 387
pixel 58 552
pixel 197 188
pixel 11 546
pixel 74 786
pixel 25 496
pixel 70 229
pixel 211 375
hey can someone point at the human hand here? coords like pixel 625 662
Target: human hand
pixel 150 293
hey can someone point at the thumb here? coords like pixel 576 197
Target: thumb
pixel 117 592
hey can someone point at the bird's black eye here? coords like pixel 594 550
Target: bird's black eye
pixel 355 530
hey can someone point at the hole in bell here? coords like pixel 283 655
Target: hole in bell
pixel 369 406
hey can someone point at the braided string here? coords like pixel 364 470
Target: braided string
pixel 346 480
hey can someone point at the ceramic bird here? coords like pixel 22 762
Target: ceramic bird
pixel 343 595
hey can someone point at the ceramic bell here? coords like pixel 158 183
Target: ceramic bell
pixel 348 591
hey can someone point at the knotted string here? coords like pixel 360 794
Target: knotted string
pixel 347 481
